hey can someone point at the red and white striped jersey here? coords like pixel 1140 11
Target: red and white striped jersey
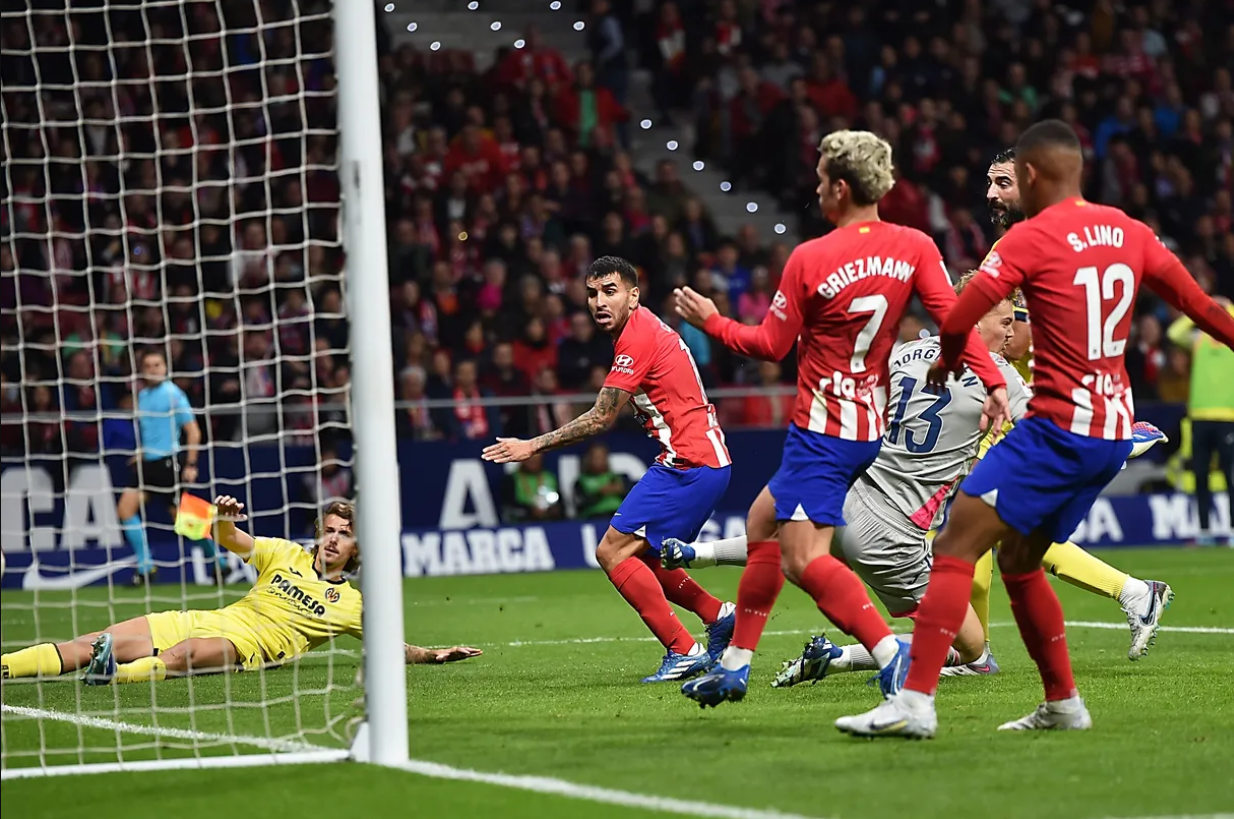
pixel 1079 266
pixel 844 295
pixel 653 363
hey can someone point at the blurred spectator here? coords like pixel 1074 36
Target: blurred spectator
pixel 502 186
pixel 470 419
pixel 529 493
pixel 599 490
pixel 766 410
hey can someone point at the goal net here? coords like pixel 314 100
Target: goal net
pixel 170 187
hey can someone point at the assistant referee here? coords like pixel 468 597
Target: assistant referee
pixel 163 413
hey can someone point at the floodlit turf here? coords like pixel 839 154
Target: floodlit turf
pixel 556 694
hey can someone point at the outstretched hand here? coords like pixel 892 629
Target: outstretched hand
pixel 453 654
pixel 508 450
pixel 692 306
pixel 229 509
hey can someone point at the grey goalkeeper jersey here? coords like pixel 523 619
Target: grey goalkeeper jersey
pixel 931 440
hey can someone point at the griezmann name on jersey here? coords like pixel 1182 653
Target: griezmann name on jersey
pixel 1079 266
pixel 841 299
pixel 653 363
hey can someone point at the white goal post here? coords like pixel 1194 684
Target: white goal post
pixel 200 178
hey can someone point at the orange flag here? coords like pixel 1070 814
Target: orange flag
pixel 194 517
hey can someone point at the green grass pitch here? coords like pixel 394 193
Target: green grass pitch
pixel 557 694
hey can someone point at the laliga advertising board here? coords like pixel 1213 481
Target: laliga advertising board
pixel 58 533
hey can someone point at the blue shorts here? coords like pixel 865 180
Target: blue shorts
pixel 671 503
pixel 815 474
pixel 1042 477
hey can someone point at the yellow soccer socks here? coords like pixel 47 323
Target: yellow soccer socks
pixel 42 660
pixel 1069 562
pixel 983 577
pixel 146 669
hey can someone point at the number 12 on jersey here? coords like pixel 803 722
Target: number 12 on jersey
pixel 1099 289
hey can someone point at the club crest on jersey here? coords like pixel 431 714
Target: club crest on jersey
pixel 992 263
pixel 332 596
pixel 779 302
pixel 624 364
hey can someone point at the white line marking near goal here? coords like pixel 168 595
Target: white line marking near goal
pixel 791 632
pixel 1123 626
pixel 592 793
pixel 163 732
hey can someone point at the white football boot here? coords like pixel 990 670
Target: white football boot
pixel 908 714
pixel 1060 715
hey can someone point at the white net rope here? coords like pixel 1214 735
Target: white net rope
pixel 170 185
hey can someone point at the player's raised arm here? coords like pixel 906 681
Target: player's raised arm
pixel 229 511
pixel 931 284
pixel 598 419
pixel 1170 279
pixel 769 341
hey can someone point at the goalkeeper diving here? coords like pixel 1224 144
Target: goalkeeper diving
pixel 299 601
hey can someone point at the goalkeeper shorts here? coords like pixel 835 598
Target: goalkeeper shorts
pixel 167 628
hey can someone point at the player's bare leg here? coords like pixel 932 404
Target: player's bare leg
pixel 131 640
pixel 197 655
pixel 619 555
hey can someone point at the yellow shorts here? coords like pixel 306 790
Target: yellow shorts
pixel 170 627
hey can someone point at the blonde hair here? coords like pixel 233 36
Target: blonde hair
pixel 1015 297
pixel 863 160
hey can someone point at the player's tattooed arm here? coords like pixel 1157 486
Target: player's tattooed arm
pixel 595 420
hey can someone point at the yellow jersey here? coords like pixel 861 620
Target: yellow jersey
pixel 291 609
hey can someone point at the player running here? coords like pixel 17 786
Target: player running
pixel 653 370
pixel 299 601
pixel 841 298
pixel 928 445
pixel 1079 265
pixel 1143 602
pixel 163 415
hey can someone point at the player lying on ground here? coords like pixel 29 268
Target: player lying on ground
pixel 928 445
pixel 1143 601
pixel 654 371
pixel 841 299
pixel 299 601
pixel 1079 266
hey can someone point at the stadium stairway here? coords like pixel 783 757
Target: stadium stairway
pixel 454 26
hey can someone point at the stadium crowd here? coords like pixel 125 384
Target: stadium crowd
pixel 213 229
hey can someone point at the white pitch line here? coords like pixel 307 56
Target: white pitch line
pixel 290 751
pixel 164 732
pixel 592 793
pixel 1121 626
pixel 792 632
